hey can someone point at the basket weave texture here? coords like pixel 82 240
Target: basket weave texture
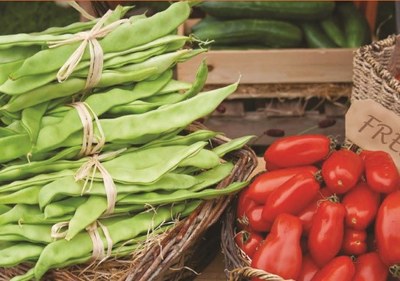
pixel 179 253
pixel 374 70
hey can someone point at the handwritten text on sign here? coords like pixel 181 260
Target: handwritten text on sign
pixel 373 127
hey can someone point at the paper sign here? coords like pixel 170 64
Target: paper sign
pixel 373 127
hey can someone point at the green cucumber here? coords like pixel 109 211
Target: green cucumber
pixel 277 34
pixel 334 31
pixel 316 37
pixel 207 20
pixel 284 10
pixel 355 24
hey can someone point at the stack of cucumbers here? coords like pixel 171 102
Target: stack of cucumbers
pixel 59 207
pixel 282 24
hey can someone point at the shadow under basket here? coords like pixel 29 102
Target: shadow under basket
pixel 180 253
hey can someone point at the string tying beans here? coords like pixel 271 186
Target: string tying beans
pixel 85 114
pixel 98 246
pixel 96 52
pixel 87 172
pixel 98 253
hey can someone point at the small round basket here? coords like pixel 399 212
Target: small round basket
pixel 237 263
pixel 177 254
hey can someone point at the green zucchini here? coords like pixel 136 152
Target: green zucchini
pixel 356 28
pixel 283 10
pixel 277 34
pixel 316 37
pixel 334 31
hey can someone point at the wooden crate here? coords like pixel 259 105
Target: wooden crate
pixel 287 89
pixel 270 66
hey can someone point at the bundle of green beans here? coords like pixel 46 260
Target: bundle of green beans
pixel 160 171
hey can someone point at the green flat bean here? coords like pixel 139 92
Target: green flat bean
pixel 28 195
pixel 16 53
pixel 101 103
pixel 52 164
pixel 16 254
pixel 157 101
pixel 205 159
pixel 40 179
pixel 17 145
pixel 80 246
pixel 7 68
pixel 71 86
pixel 166 119
pixel 26 232
pixel 27 276
pixel 212 176
pixel 31 120
pixel 175 86
pixel 4 208
pixel 64 207
pixel 86 214
pixel 68 186
pixel 131 35
pixel 161 197
pixel 232 145
pixel 55 34
pixel 130 168
pixel 31 82
pixel 196 136
pixel 172 116
pixel 28 214
pixel 136 72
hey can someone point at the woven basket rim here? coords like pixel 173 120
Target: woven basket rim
pixel 366 53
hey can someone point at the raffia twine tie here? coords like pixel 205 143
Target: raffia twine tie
pixel 98 252
pixel 86 114
pixel 96 52
pixel 87 172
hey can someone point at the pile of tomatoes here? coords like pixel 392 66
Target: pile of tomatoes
pixel 322 213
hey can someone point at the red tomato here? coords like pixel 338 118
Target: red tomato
pixel 244 204
pixel 387 229
pixel 308 269
pixel 342 170
pixel 306 215
pixel 364 153
pixel 281 252
pixel 340 268
pixel 361 205
pixel 354 242
pixel 381 172
pixel 248 242
pixel 256 222
pixel 291 197
pixel 326 232
pixel 369 267
pixel 295 151
pixel 265 183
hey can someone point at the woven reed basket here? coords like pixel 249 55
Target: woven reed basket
pixel 180 252
pixel 374 69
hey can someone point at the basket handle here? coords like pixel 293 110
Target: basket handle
pixel 394 62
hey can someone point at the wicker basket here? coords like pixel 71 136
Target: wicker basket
pixel 237 264
pixel 180 252
pixel 374 69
